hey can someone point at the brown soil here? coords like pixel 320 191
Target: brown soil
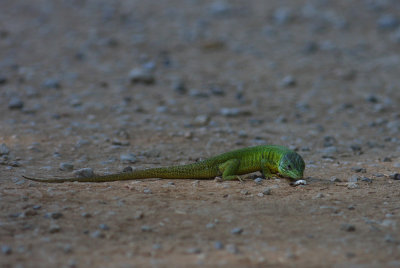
pixel 320 77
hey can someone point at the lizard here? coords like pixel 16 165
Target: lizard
pixel 269 159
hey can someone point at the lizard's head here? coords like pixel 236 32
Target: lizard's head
pixel 291 165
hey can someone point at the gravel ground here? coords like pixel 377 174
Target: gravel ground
pixel 102 86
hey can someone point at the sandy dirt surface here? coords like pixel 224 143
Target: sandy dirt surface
pixel 111 84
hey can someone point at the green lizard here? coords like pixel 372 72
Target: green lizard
pixel 269 159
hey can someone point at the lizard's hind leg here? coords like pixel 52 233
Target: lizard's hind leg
pixel 229 169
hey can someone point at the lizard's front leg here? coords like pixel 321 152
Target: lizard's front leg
pixel 266 172
pixel 229 169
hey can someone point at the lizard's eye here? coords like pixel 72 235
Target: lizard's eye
pixel 289 167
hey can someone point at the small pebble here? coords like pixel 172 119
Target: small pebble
pixel 193 250
pixel 141 75
pixel 66 166
pixel 147 191
pixel 348 227
pixel 244 192
pixel 395 176
pixel 84 173
pixel 387 159
pixel 334 179
pixel 6 250
pixel 97 234
pixel 53 83
pixel 146 228
pixel 299 182
pixel 288 81
pixel 353 178
pixel 15 103
pixel 128 158
pixel 139 215
pixel 86 215
pixel 258 180
pixel 54 215
pixel 366 179
pixel 104 227
pixel 388 22
pixel 358 170
pixel 127 169
pixel 351 207
pixel 210 225
pixel 231 248
pixel 54 228
pixel 4 150
pixel 352 185
pixel 218 245
pixel 267 191
pixel 237 231
pixel 319 195
pixel 234 112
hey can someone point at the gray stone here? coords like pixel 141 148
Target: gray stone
pixel 334 179
pixel 352 185
pixel 54 215
pixel 288 81
pixel 84 173
pixel 259 180
pixel 237 231
pixel 353 178
pixel 218 245
pixel 15 103
pixel 141 75
pixel 4 150
pixel 97 234
pixel 146 228
pixel 358 169
pixel 366 179
pixel 128 158
pixel 388 22
pixel 232 248
pixel 52 83
pixel 104 227
pixel 54 228
pixel 348 227
pixel 6 250
pixel 395 176
pixel 66 166
pixel 267 191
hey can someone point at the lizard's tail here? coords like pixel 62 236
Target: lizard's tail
pixel 174 172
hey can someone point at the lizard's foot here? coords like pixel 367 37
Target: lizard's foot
pixel 232 177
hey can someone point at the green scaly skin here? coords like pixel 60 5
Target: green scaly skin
pixel 269 159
